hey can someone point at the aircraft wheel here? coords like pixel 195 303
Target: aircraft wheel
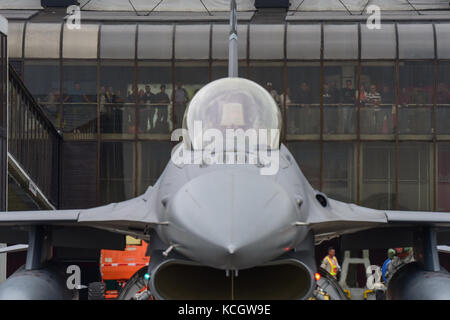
pixel 96 291
pixel 136 287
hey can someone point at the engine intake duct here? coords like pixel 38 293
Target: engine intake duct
pixel 181 280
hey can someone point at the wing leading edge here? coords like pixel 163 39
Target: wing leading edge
pixel 133 216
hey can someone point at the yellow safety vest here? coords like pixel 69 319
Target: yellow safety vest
pixel 333 265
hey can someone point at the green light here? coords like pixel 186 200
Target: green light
pixel 147 276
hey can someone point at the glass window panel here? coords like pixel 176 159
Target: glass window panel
pixel 443 99
pixel 442 43
pixel 378 175
pixel 117 100
pixel 17 65
pixel 307 155
pixel 416 97
pixel 340 41
pixel 189 78
pixel 116 171
pixel 154 87
pixel 339 171
pixel 42 79
pixel 303 41
pixel 81 43
pixel 414 174
pixel 192 41
pixel 378 43
pixel 443 172
pixel 80 98
pixel 415 41
pixel 303 99
pixel 377 98
pixel 220 70
pixel 266 41
pixel 155 41
pixel 154 156
pixel 220 41
pixel 42 40
pixel 339 98
pixel 270 76
pixel 117 41
pixel 15 36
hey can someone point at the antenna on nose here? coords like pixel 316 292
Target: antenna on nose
pixel 233 44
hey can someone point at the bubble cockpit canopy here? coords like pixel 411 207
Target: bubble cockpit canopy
pixel 233 103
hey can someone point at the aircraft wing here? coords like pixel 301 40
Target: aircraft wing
pixel 340 218
pixel 133 217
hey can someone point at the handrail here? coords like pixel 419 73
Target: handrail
pixel 33 141
pixel 13 76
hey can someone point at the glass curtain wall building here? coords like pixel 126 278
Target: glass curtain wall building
pixel 3 111
pixel 366 111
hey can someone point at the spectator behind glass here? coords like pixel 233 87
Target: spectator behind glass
pixel 387 95
pixel 287 95
pixel 362 95
pixel 376 118
pixel 330 109
pixel 76 95
pixel 147 110
pixel 181 98
pixel 334 91
pixel 345 116
pixel 348 93
pixel 51 105
pixel 273 92
pixel 296 121
pixel 162 101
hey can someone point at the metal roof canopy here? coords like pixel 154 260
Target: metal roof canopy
pixel 3 25
pixel 351 7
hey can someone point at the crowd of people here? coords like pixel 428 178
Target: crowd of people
pixel 117 114
pixel 377 102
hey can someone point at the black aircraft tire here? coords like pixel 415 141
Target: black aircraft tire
pixel 134 285
pixel 96 291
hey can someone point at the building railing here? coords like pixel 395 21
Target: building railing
pixel 33 141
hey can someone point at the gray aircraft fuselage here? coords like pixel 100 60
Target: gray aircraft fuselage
pixel 229 216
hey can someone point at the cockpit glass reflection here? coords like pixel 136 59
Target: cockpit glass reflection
pixel 232 104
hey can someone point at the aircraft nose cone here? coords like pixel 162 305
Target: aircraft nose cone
pixel 232 219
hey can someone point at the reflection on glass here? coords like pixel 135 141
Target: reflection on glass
pixel 377 99
pixel 378 175
pixel 302 99
pixel 414 174
pixel 79 97
pixel 42 79
pixel 443 99
pixel 338 171
pixel 307 155
pixel 270 77
pixel 443 177
pixel 189 79
pixel 154 92
pixel 117 98
pixel 416 97
pixel 154 156
pixel 116 171
pixel 339 103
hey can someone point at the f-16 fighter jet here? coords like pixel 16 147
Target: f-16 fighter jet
pixel 231 217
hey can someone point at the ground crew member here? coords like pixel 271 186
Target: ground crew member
pixel 330 263
pixel 402 257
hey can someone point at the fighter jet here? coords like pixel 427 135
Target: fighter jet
pixel 241 222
